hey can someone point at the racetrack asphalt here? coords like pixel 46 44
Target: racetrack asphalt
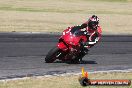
pixel 22 54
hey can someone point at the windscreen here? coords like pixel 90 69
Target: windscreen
pixel 76 31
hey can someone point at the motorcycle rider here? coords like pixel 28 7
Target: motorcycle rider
pixel 92 31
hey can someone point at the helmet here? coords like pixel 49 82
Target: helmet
pixel 93 22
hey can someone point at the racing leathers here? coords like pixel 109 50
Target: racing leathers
pixel 93 35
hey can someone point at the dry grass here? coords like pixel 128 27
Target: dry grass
pixel 63 81
pixel 56 15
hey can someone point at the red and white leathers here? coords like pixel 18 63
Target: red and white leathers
pixel 93 35
pixel 92 30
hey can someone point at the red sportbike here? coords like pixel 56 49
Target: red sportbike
pixel 69 47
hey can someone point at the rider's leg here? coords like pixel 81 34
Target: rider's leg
pixel 83 53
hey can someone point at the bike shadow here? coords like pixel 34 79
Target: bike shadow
pixel 82 62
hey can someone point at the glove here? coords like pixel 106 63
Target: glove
pixel 87 45
pixel 84 44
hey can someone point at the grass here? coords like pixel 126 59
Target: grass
pixel 69 81
pixel 115 0
pixel 55 16
pixel 24 9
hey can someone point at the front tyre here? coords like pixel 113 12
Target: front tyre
pixel 52 55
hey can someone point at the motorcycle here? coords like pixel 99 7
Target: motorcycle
pixel 69 46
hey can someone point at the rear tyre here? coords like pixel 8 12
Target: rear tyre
pixel 52 55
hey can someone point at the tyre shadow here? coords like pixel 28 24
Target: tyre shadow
pixel 82 62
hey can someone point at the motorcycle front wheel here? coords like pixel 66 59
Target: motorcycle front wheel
pixel 53 54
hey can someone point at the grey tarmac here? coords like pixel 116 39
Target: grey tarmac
pixel 22 54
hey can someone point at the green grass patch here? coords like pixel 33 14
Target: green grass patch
pixel 113 0
pixel 25 9
pixel 89 0
pixel 55 16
